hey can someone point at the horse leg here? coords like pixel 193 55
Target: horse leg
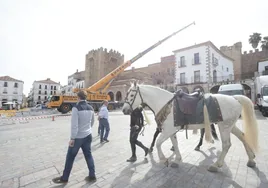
pixel 226 144
pixel 163 137
pixel 240 135
pixel 174 141
pixel 197 148
pixel 153 142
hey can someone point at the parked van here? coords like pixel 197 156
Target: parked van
pixel 232 89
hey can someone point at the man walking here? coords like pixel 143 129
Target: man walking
pixel 104 123
pixel 136 124
pixel 81 122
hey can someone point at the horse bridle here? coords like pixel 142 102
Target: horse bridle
pixel 137 91
pixel 130 103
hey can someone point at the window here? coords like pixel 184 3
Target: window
pixel 16 85
pixel 51 87
pixel 39 97
pixel 214 76
pixel 196 76
pixel 54 92
pixel 227 69
pixel 5 91
pixel 40 87
pixel 182 78
pixel 39 92
pixel 182 61
pixel 45 86
pixel 196 58
pixel 5 84
pixel 45 97
pixel 55 88
pixel 45 92
pixel 51 93
pixel 212 58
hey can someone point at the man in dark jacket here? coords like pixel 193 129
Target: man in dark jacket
pixel 136 124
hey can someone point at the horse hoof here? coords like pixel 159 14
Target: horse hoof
pixel 251 164
pixel 213 168
pixel 174 165
pixel 165 162
pixel 197 148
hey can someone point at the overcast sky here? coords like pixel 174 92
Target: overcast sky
pixel 42 39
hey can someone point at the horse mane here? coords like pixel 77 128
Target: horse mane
pixel 155 87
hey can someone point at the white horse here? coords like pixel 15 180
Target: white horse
pixel 231 108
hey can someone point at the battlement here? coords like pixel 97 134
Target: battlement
pixel 105 52
pixel 255 51
pixel 237 46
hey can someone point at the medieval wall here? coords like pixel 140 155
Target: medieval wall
pixel 99 63
pixel 250 60
pixel 234 52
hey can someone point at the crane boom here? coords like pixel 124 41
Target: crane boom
pixel 105 80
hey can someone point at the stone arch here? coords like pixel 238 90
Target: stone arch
pixel 111 94
pixel 200 88
pixel 247 90
pixel 118 96
pixel 214 89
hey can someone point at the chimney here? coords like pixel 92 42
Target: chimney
pixel 250 51
pixel 256 50
pixel 76 70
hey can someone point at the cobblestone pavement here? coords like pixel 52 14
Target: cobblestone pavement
pixel 32 154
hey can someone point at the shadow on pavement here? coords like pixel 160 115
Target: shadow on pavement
pixel 186 175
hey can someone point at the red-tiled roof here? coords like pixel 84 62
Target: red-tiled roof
pixel 203 44
pixel 8 78
pixel 47 81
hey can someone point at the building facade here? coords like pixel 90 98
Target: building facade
pixel 76 80
pixel 41 90
pixel 11 90
pixel 201 66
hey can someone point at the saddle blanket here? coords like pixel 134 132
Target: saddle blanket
pixel 192 112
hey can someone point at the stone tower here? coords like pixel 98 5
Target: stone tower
pixel 99 63
pixel 234 52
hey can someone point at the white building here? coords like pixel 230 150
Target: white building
pixel 202 63
pixel 76 80
pixel 41 90
pixel 11 90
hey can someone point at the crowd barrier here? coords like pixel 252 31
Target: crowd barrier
pixel 20 120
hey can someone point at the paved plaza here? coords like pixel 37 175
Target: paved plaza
pixel 33 153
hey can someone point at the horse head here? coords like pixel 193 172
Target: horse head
pixel 133 99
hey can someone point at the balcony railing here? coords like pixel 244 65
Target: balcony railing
pixel 203 79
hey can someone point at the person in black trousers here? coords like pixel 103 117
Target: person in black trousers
pixel 136 124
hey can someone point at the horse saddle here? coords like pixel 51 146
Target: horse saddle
pixel 188 102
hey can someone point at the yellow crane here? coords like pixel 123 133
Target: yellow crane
pixel 97 92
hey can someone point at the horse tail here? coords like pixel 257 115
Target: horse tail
pixel 250 124
pixel 214 133
pixel 208 136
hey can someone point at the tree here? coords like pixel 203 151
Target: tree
pixel 264 43
pixel 254 39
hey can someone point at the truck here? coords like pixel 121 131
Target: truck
pixel 261 87
pixel 97 92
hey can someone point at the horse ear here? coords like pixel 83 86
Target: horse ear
pixel 135 83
